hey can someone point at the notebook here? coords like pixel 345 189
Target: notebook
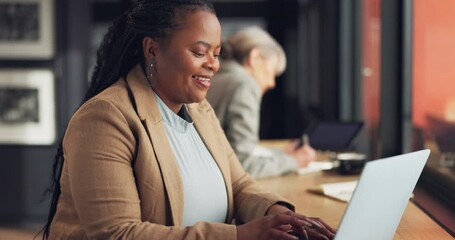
pixel 381 196
pixel 341 191
pixel 333 136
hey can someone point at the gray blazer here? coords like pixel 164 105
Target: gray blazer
pixel 236 98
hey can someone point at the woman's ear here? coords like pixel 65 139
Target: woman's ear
pixel 254 58
pixel 149 45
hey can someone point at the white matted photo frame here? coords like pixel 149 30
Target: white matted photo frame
pixel 27 107
pixel 27 29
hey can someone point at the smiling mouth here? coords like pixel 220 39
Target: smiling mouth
pixel 202 81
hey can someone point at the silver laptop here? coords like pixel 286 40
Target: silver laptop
pixel 381 196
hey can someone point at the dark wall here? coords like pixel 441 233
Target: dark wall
pixel 24 174
pixel 308 90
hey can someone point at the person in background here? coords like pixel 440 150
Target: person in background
pixel 251 60
pixel 144 156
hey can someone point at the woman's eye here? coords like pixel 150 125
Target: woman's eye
pixel 216 55
pixel 198 54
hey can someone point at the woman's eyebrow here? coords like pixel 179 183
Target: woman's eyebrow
pixel 205 44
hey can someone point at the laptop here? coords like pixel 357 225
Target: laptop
pixel 333 135
pixel 381 196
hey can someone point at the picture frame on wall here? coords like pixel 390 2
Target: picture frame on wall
pixel 27 107
pixel 27 29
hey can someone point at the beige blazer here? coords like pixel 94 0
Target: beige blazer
pixel 120 179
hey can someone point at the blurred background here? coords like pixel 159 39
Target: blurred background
pixel 387 63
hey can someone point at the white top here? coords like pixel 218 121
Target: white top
pixel 205 196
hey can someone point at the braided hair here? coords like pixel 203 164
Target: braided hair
pixel 120 50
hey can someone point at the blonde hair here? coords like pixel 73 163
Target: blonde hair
pixel 239 45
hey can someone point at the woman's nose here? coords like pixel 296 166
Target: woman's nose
pixel 213 64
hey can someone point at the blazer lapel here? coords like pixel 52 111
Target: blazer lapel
pixel 148 111
pixel 204 124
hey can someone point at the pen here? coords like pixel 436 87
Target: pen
pixel 305 139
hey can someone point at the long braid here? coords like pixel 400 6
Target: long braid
pixel 120 50
pixel 54 188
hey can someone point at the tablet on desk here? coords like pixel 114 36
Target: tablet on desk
pixel 333 135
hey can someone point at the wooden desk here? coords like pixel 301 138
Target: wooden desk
pixel 414 225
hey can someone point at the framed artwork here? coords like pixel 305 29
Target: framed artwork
pixel 26 29
pixel 27 107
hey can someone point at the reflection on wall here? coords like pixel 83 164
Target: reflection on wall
pixel 371 61
pixel 434 61
pixel 450 110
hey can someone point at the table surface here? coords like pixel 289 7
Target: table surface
pixel 415 224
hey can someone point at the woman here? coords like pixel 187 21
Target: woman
pixel 252 60
pixel 144 157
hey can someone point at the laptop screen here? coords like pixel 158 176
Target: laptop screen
pixel 334 136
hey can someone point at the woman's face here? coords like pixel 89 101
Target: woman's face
pixel 265 72
pixel 187 61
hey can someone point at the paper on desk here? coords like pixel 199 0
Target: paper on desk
pixel 316 166
pixel 341 191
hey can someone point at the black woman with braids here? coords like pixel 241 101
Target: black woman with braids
pixel 144 157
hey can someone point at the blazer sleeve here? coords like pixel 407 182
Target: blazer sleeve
pixel 242 130
pixel 99 146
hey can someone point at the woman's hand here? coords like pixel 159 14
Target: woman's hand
pixel 303 154
pixel 280 221
pixel 317 230
pixel 270 227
